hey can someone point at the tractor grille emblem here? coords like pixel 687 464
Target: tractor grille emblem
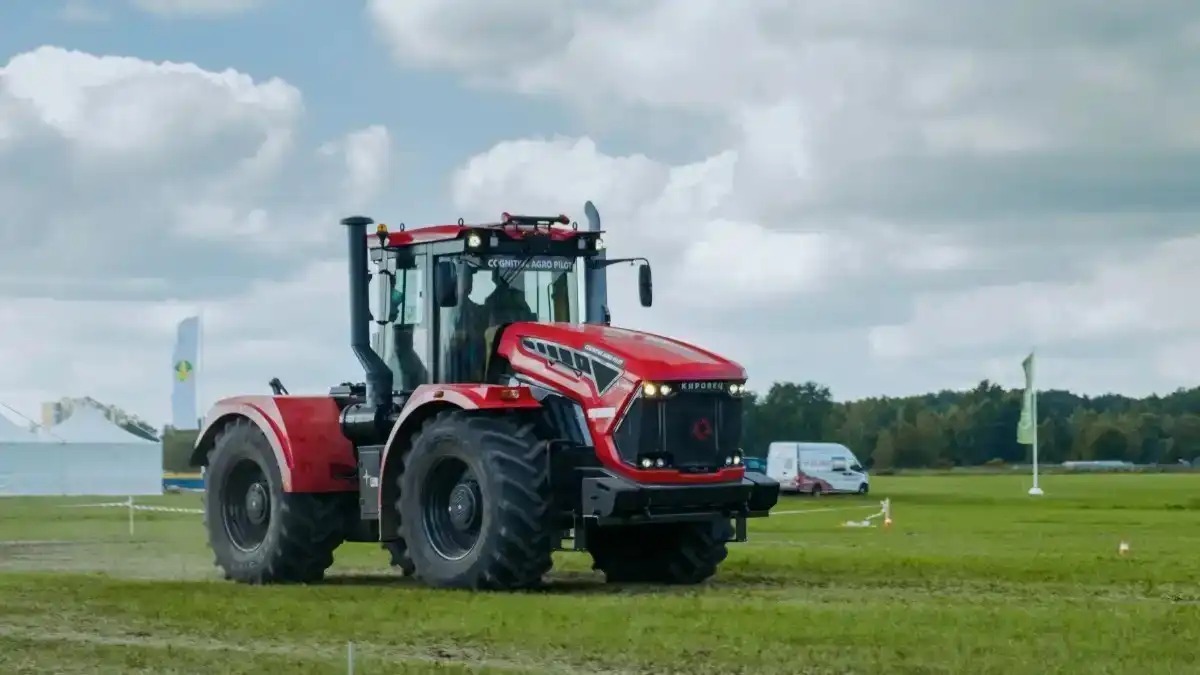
pixel 702 429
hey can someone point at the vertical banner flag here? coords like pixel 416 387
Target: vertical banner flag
pixel 183 374
pixel 1029 416
pixel 1025 426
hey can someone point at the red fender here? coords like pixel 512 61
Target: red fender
pixel 427 400
pixel 304 432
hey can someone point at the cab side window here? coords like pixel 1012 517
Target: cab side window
pixel 840 464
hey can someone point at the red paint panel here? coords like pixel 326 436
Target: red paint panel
pixel 305 434
pixel 432 233
pixel 468 397
pixel 649 356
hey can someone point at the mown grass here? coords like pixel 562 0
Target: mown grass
pixel 974 577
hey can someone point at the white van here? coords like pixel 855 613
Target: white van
pixel 816 468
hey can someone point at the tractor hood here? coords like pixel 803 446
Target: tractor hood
pixel 643 355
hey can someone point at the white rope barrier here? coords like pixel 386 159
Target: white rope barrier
pixel 885 512
pixel 132 507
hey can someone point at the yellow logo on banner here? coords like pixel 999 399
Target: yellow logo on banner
pixel 182 370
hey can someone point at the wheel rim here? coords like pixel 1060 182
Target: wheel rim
pixel 246 505
pixel 453 510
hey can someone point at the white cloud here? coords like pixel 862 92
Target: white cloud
pixel 762 294
pixel 1129 299
pixel 366 155
pixel 139 192
pixel 899 177
pixel 164 170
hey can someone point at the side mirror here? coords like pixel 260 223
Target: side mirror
pixel 645 285
pixel 856 468
pixel 445 283
pixel 385 286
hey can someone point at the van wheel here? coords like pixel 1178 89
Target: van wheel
pixel 863 489
pixel 816 490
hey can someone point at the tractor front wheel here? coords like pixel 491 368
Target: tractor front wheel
pixel 675 553
pixel 260 534
pixel 400 558
pixel 475 503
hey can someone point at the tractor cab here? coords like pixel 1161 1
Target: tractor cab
pixel 442 294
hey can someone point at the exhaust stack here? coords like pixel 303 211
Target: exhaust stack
pixel 595 276
pixel 378 375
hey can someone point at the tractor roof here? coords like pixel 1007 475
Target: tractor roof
pixel 557 228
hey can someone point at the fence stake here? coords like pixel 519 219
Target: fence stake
pixel 350 658
pixel 129 503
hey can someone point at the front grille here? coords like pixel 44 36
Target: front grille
pixel 696 430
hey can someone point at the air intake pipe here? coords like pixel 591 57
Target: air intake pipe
pixel 378 375
pixel 595 276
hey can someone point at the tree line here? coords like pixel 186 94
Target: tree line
pixel 977 426
pixel 947 428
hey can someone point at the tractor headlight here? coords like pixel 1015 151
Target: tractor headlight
pixel 599 244
pixel 737 389
pixel 656 389
pixel 646 463
pixel 474 240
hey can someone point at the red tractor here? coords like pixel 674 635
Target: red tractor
pixel 494 426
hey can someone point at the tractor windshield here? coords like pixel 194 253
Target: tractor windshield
pixel 524 289
pixel 498 290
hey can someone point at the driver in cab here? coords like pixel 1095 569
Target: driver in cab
pixel 477 323
pixel 506 303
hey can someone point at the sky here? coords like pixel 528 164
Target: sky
pixel 885 198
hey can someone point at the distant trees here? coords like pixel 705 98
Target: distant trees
pixel 942 429
pixel 977 426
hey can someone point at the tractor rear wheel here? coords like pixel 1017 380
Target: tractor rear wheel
pixel 675 553
pixel 260 534
pixel 475 503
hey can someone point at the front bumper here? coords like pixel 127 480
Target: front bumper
pixel 611 500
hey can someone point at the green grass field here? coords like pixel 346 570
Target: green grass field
pixel 973 577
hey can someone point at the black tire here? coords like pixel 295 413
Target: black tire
pixel 674 553
pixel 398 548
pixel 494 476
pixel 816 490
pixel 863 489
pixel 274 537
pixel 400 557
